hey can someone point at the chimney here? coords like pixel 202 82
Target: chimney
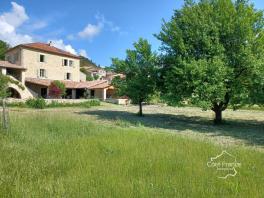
pixel 50 43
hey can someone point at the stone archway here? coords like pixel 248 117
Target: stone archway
pixel 13 93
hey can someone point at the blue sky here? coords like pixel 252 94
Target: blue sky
pixel 100 29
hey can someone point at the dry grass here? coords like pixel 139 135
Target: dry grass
pixel 241 127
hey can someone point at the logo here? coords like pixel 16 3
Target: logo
pixel 225 164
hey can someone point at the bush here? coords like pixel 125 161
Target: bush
pixel 38 103
pixel 94 102
pixel 57 89
pixel 86 104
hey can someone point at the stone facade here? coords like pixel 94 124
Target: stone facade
pixel 36 65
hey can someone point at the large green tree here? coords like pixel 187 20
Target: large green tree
pixel 213 54
pixel 139 69
pixel 3 48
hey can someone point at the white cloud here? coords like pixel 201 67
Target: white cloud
pixel 83 53
pixel 91 31
pixel 39 25
pixel 10 21
pixel 61 45
pixel 16 17
pixel 68 48
pixel 109 24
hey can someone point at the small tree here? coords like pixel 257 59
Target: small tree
pixel 213 55
pixel 4 82
pixel 89 77
pixel 3 48
pixel 139 67
pixel 3 94
pixel 57 89
pixel 96 77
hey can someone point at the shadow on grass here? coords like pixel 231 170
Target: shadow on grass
pixel 250 131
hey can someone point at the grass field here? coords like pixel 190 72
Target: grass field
pixel 109 152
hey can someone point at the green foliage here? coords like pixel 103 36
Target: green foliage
pixel 3 48
pixel 87 62
pixel 96 77
pixel 40 103
pixel 36 103
pixel 156 98
pixel 139 67
pixel 4 80
pixel 213 54
pixel 83 70
pixel 89 77
pixel 57 89
pixel 87 104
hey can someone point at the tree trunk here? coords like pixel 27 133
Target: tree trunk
pixel 140 113
pixel 5 117
pixel 218 116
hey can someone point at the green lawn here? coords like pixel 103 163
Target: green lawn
pixel 83 153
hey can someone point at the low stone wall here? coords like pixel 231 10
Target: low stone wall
pixel 118 101
pixel 14 100
pixel 48 101
pixel 69 101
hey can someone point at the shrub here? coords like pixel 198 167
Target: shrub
pixel 94 102
pixel 86 104
pixel 57 89
pixel 54 104
pixel 89 77
pixel 38 103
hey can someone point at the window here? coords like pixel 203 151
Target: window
pixel 70 63
pixel 42 73
pixel 41 58
pixel 92 93
pixel 65 62
pixel 44 92
pixel 68 76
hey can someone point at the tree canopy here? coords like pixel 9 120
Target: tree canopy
pixel 139 69
pixel 3 48
pixel 213 54
pixel 4 80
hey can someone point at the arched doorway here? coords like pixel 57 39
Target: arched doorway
pixel 13 93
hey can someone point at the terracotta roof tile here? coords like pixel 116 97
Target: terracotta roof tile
pixel 101 85
pixel 98 84
pixel 47 48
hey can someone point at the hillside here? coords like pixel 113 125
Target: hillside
pixel 88 64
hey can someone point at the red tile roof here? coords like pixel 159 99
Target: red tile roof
pixel 44 47
pixel 97 84
pixel 6 64
pixel 101 85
